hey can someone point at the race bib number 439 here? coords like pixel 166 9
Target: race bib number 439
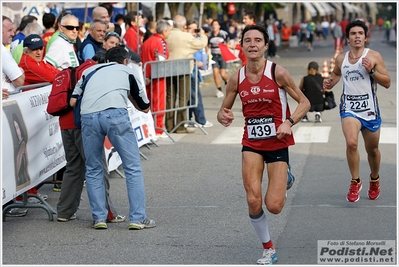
pixel 261 128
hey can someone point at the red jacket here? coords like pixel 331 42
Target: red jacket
pixel 130 39
pixel 67 121
pixel 40 73
pixel 37 72
pixel 148 53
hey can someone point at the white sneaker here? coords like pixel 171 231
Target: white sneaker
pixel 269 257
pixel 219 93
pixel 318 117
pixel 207 124
pixel 162 135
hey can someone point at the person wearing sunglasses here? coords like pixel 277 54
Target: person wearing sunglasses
pixel 94 40
pixel 61 53
pixel 35 68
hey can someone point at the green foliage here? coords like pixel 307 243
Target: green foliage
pixel 387 10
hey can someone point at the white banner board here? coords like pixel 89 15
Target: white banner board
pixel 32 148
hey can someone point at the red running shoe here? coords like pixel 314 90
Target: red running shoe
pixel 374 190
pixel 354 190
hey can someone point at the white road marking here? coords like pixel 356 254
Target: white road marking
pixel 389 135
pixel 303 134
pixel 314 134
pixel 231 135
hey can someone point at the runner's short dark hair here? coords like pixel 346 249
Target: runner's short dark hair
pixel 258 28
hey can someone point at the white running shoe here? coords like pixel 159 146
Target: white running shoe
pixel 207 124
pixel 318 117
pixel 219 94
pixel 269 257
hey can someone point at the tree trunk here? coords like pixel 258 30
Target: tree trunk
pixel 132 6
pixel 174 9
pixel 189 10
pixel 159 8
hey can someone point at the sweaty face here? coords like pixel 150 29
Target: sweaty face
pixel 71 34
pixel 253 43
pixel 356 36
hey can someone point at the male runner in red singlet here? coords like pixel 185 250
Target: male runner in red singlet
pixel 263 86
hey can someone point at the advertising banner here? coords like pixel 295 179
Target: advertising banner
pixel 32 148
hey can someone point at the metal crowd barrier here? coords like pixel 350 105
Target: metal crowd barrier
pixel 29 86
pixel 165 75
pixel 25 204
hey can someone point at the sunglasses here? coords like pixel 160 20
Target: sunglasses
pixel 39 48
pixel 70 28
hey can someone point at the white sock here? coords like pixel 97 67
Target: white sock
pixel 259 222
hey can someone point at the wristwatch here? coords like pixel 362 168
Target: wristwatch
pixel 291 120
pixel 372 72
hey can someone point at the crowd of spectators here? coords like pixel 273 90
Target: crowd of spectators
pixel 34 55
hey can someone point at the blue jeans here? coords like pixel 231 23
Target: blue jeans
pixel 114 123
pixel 199 110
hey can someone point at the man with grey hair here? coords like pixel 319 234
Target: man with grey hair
pixel 35 68
pixel 182 45
pixel 12 75
pixel 61 53
pixel 155 48
pixel 31 28
pixel 93 41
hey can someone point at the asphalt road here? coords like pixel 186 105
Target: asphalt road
pixel 195 194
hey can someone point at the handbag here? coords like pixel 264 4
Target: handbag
pixel 329 100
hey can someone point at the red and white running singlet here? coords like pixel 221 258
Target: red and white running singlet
pixel 265 107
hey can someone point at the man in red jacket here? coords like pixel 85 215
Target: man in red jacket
pixel 35 68
pixel 156 49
